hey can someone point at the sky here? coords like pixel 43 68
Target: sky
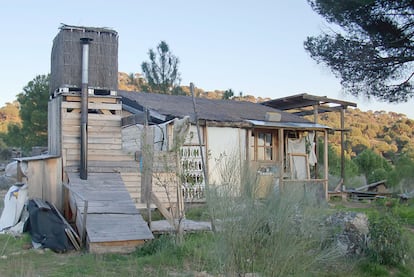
pixel 253 47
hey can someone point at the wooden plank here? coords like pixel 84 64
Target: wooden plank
pixel 112 215
pixel 94 140
pixel 94 117
pixel 131 178
pixel 92 105
pixel 109 206
pixel 117 227
pixel 94 146
pixel 92 128
pixel 96 123
pixel 104 98
pixel 104 117
pixel 112 152
pixel 100 157
pixel 106 165
pixel 123 247
pixel 93 134
pixel 163 210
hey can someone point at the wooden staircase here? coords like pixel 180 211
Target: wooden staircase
pixel 112 191
pixel 105 213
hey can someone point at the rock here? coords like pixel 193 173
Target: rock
pixel 11 170
pixel 352 236
pixel 6 182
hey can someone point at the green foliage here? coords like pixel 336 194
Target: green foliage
pixel 373 269
pixel 278 236
pixel 161 72
pixel 9 114
pixel 372 165
pixel 404 171
pixel 377 174
pixel 228 94
pixel 33 113
pixel 372 52
pixel 405 212
pixel 334 160
pixel 387 244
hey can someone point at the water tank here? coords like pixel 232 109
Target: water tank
pixel 66 58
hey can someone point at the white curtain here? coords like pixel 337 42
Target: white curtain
pixel 312 154
pixel 298 165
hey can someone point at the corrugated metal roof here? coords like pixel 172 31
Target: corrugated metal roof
pixel 207 109
pixel 295 125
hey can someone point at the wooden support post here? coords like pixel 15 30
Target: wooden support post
pixel 315 120
pixel 85 215
pixel 281 157
pixel 147 164
pixel 343 146
pixel 325 162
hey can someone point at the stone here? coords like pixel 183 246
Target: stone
pixel 351 231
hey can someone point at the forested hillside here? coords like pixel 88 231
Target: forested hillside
pixel 387 133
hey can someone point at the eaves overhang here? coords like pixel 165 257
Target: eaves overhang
pixel 293 125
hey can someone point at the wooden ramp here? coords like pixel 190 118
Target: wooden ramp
pixel 113 224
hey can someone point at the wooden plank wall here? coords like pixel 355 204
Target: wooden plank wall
pixel 104 130
pixel 110 147
pixel 43 176
pixel 105 152
pixel 54 127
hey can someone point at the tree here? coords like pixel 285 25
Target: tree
pixel 228 94
pixel 161 71
pixel 372 165
pixel 373 52
pixel 9 114
pixel 33 112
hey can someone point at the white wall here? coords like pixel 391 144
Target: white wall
pixel 226 148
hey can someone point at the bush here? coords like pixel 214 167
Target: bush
pixel 387 244
pixel 278 236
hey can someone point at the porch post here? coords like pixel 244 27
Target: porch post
pixel 281 157
pixel 325 162
pixel 315 120
pixel 342 147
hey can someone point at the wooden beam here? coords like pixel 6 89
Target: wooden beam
pixel 343 145
pixel 325 162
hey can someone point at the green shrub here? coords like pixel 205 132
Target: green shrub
pixel 373 269
pixel 278 236
pixel 387 244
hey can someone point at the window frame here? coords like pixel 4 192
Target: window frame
pixel 256 145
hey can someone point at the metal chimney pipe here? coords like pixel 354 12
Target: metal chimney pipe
pixel 84 109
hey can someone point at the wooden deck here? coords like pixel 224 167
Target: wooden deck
pixel 113 224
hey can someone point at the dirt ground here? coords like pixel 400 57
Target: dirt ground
pixel 355 204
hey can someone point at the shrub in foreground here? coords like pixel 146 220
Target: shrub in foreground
pixel 387 243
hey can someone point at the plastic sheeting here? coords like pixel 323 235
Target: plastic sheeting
pixel 46 227
pixel 14 203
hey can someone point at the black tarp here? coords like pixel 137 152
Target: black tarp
pixel 46 227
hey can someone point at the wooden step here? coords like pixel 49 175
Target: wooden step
pixel 113 223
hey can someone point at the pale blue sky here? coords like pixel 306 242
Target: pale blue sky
pixel 251 46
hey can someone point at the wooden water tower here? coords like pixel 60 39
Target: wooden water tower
pixel 97 110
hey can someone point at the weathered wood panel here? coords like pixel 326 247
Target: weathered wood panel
pixel 92 105
pixel 44 178
pixel 54 127
pixel 113 223
pixel 101 99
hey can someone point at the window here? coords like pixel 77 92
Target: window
pixel 263 145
